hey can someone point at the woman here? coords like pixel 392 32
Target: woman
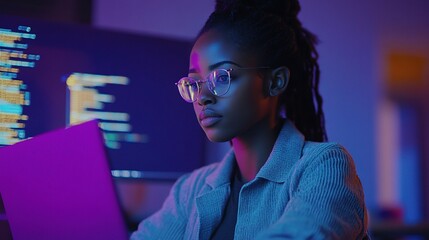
pixel 253 81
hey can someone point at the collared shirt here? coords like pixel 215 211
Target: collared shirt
pixel 305 190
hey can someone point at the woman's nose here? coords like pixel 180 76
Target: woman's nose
pixel 206 96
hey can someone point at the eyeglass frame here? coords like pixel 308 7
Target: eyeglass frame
pixel 198 82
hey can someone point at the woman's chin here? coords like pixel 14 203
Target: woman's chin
pixel 214 136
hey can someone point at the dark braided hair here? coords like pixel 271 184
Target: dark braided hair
pixel 271 30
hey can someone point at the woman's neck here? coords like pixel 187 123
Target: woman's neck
pixel 253 148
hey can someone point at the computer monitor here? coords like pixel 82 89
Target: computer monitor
pixel 53 75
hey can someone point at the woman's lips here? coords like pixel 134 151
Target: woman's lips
pixel 209 118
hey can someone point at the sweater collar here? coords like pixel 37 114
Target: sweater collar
pixel 223 172
pixel 286 152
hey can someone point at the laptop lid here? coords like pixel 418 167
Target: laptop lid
pixel 59 186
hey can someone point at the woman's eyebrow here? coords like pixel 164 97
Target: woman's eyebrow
pixel 215 65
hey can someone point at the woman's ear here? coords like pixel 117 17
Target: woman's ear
pixel 279 80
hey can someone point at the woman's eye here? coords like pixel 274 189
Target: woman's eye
pixel 223 78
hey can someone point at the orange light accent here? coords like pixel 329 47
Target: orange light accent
pixel 406 69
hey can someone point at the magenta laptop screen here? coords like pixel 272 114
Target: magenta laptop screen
pixel 58 186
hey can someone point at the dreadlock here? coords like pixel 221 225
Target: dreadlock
pixel 271 30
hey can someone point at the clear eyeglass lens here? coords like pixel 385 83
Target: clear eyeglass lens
pixel 219 81
pixel 188 89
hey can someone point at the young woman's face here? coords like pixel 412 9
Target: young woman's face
pixel 245 104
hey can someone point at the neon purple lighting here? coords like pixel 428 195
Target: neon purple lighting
pixel 58 186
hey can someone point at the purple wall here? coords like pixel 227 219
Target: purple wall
pixel 179 19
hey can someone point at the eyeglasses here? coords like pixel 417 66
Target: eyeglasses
pixel 218 82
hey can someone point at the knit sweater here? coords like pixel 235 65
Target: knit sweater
pixel 305 190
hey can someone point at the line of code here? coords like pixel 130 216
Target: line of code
pixel 14 57
pixel 88 102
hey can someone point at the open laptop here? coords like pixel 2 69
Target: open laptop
pixel 59 186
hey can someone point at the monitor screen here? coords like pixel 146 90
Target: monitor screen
pixel 53 75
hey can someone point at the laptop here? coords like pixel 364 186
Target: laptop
pixel 59 186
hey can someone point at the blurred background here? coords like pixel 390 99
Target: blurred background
pixel 374 59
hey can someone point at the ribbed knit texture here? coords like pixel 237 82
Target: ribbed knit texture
pixel 305 190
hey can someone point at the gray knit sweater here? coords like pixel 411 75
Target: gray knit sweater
pixel 305 190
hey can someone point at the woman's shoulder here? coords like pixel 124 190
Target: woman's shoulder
pixel 199 174
pixel 326 164
pixel 198 181
pixel 325 149
pixel 212 175
pixel 325 153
